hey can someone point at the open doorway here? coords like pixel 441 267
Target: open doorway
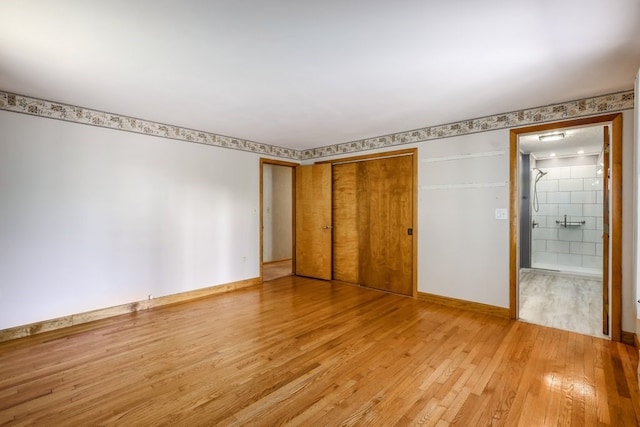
pixel 565 186
pixel 277 218
pixel 562 207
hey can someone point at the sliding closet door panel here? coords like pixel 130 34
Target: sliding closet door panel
pixel 345 223
pixel 313 221
pixel 385 212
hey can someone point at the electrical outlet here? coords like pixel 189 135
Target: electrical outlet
pixel 502 214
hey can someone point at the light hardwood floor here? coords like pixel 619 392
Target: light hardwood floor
pixel 276 269
pixel 304 352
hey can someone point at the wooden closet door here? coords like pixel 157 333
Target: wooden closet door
pixel 385 224
pixel 345 223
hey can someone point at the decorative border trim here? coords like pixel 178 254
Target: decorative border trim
pixel 70 113
pixel 104 313
pixel 551 113
pixel 465 305
pixel 573 109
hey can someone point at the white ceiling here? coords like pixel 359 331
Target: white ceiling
pixel 582 141
pixel 304 74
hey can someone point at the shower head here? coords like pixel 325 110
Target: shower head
pixel 540 174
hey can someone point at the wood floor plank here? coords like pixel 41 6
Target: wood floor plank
pixel 297 351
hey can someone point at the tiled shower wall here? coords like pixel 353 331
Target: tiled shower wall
pixel 575 191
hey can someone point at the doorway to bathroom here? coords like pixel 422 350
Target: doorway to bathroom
pixel 563 278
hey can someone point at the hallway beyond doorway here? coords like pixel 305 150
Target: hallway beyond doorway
pixel 276 269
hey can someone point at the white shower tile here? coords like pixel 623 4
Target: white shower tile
pixel 560 197
pixel 592 184
pixel 559 247
pixel 599 197
pixel 583 197
pixel 571 184
pixel 539 245
pixel 570 210
pixel 544 258
pixel 599 223
pixel 548 185
pixel 591 209
pixel 592 262
pixel 544 234
pixel 542 197
pixel 583 171
pixel 563 172
pixel 570 235
pixel 583 248
pixel 548 209
pixel 568 259
pixel 598 249
pixel 594 236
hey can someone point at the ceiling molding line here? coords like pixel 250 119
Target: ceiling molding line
pixel 556 112
pixel 70 113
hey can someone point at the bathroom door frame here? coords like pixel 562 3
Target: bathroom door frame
pixel 615 227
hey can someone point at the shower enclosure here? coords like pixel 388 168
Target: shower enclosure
pixel 562 213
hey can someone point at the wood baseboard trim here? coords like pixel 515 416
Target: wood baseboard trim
pixel 276 261
pixel 629 338
pixel 465 305
pixel 103 313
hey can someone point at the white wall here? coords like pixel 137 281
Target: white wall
pixel 92 217
pixel 463 251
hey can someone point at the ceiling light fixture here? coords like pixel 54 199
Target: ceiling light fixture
pixel 580 151
pixel 552 136
pixel 552 155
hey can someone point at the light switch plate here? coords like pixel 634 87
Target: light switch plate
pixel 502 213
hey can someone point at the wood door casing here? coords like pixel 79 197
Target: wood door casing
pixel 313 221
pixel 605 231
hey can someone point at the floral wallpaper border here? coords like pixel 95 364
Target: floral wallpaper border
pixel 70 113
pixel 567 110
pixel 556 112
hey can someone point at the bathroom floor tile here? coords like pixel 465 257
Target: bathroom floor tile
pixel 572 303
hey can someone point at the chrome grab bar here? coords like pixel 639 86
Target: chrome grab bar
pixel 566 223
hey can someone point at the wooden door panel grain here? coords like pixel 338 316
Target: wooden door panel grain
pixel 345 223
pixel 385 212
pixel 313 221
